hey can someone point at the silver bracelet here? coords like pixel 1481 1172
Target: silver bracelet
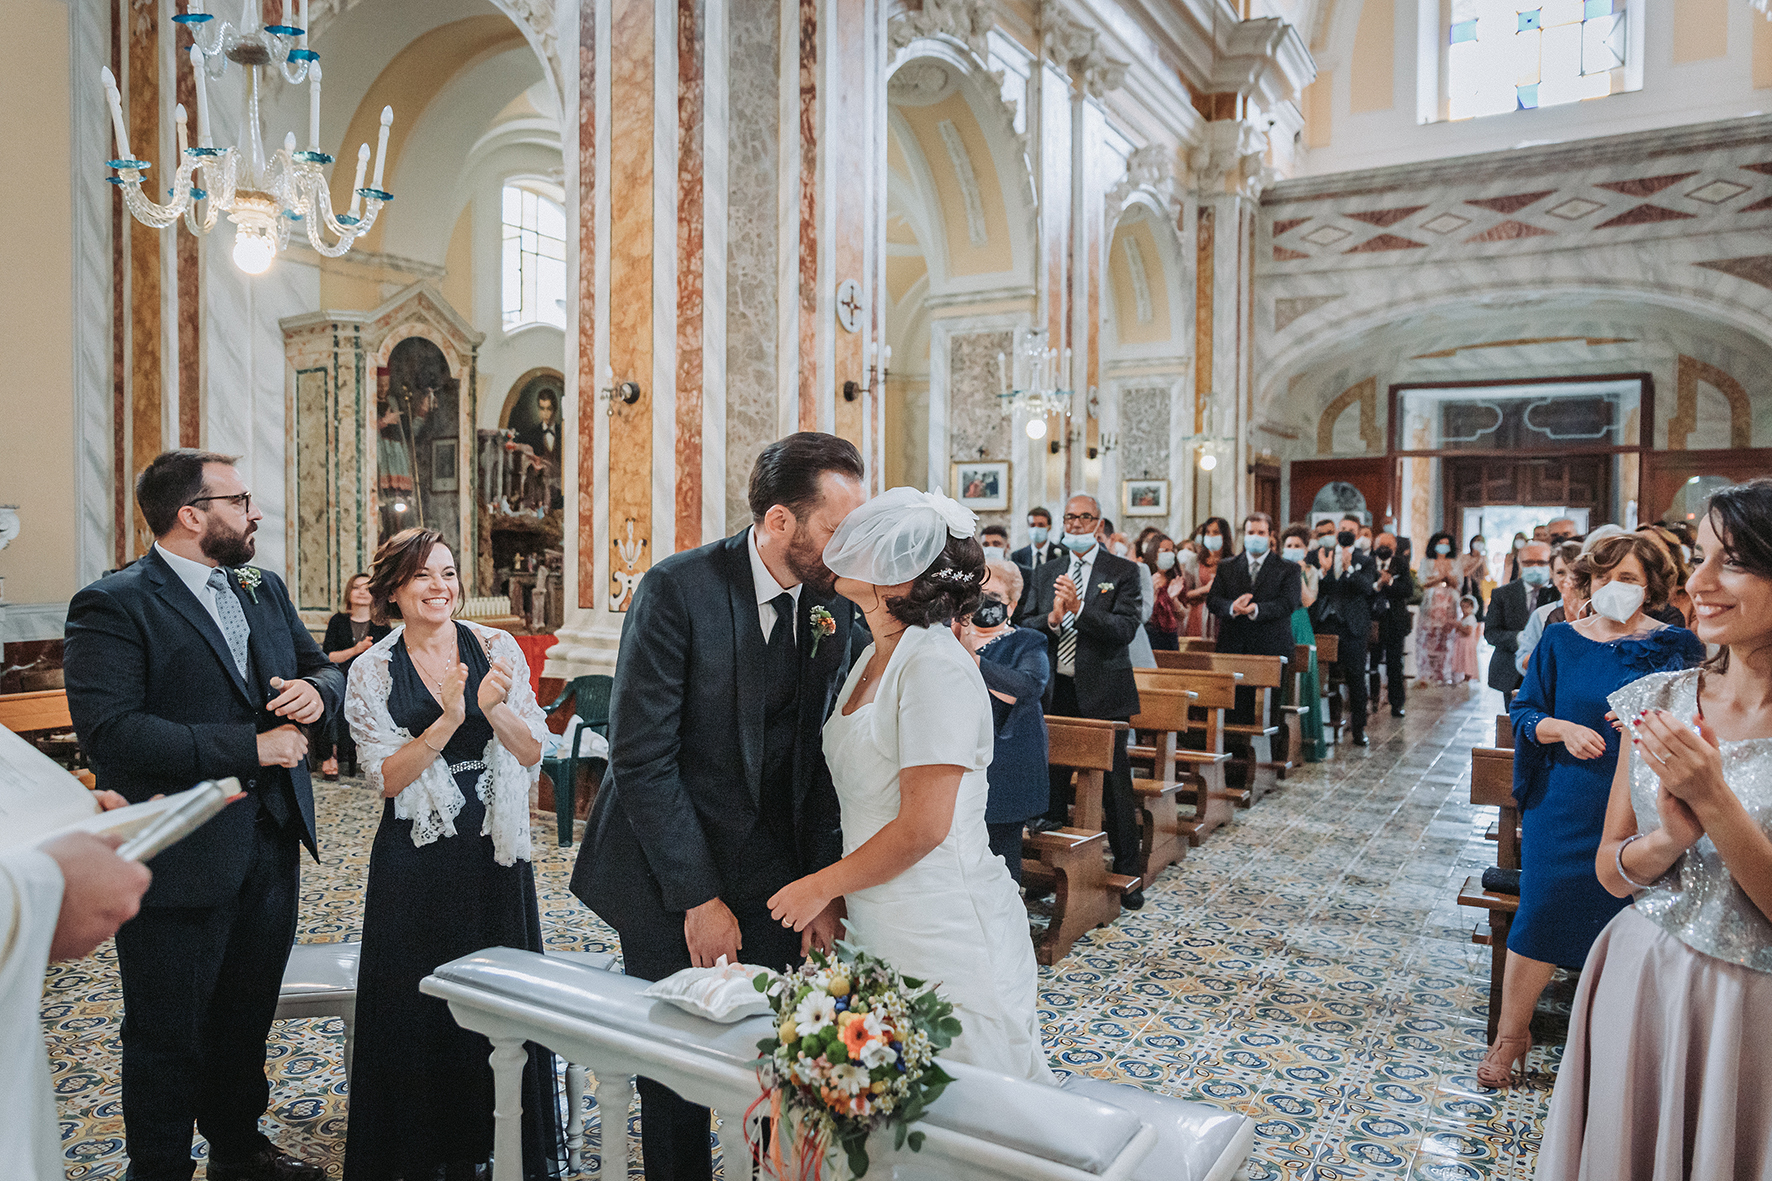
pixel 1619 862
pixel 436 751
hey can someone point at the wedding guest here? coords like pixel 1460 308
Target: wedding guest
pixel 450 734
pixel 1473 574
pixel 1664 1072
pixel 186 665
pixel 1513 558
pixel 1016 671
pixel 1345 580
pixel 1088 609
pixel 1213 538
pixel 1511 608
pixel 1295 543
pixel 1254 597
pixel 1562 529
pixel 1391 593
pixel 1042 547
pixel 349 633
pixel 1168 582
pixel 1564 757
pixel 1139 650
pixel 1569 578
pixel 1439 612
pixel 1464 644
pixel 1677 611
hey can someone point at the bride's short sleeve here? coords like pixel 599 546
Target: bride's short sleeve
pixel 944 711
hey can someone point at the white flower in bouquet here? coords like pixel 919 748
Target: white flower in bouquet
pixel 816 1011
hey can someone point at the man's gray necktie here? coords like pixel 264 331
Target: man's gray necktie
pixel 233 620
pixel 1067 630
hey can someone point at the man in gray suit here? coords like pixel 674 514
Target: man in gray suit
pixel 1510 607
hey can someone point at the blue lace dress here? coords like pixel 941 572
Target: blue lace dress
pixel 1562 798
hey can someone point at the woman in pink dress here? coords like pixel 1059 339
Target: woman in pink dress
pixel 1464 644
pixel 1439 613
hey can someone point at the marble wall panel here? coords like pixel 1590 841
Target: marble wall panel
pixel 977 426
pixel 810 400
pixel 846 165
pixel 588 410
pixel 1203 279
pixel 691 105
pixel 631 236
pixel 752 245
pixel 189 277
pixel 145 394
pixel 1144 432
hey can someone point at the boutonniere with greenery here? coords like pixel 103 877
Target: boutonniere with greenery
pixel 1104 587
pixel 822 625
pixel 251 578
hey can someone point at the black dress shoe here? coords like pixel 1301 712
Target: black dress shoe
pixel 269 1164
pixel 1043 824
pixel 1397 713
pixel 1133 899
pixel 1361 740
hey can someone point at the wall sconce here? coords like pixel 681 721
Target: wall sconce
pixel 849 391
pixel 628 392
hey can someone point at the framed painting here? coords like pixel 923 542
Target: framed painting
pixel 443 465
pixel 1145 498
pixel 982 486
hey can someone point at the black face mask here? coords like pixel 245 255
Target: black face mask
pixel 1346 537
pixel 1382 553
pixel 991 612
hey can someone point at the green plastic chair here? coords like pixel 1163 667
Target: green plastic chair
pixel 590 698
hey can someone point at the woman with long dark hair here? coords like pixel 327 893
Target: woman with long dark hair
pixel 1214 540
pixel 1439 611
pixel 1664 1074
pixel 349 633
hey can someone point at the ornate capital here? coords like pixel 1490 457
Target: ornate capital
pixel 1230 147
pixel 1076 48
pixel 966 21
pixel 1147 168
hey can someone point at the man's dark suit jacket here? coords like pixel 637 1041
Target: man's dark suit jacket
pixel 1349 594
pixel 1109 616
pixel 159 706
pixel 1510 609
pixel 684 784
pixel 1390 604
pixel 1032 557
pixel 1278 591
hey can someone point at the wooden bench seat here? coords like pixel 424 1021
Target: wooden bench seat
pixel 42 719
pixel 1330 682
pixel 1200 772
pixel 1071 863
pixel 1258 767
pixel 1164 714
pixel 1492 785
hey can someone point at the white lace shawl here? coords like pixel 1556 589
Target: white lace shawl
pixel 432 801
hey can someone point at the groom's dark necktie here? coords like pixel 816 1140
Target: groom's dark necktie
pixel 781 721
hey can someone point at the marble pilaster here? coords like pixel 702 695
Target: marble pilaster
pixel 691 105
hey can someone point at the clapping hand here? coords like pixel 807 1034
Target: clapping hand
pixel 1689 764
pixel 1064 595
pixel 1244 605
pixel 495 686
pixel 453 691
pixel 298 701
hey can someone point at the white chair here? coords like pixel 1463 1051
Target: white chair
pixel 321 981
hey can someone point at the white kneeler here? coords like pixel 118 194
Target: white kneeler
pixel 985 1125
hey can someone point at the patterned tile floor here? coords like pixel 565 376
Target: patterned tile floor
pixel 1307 966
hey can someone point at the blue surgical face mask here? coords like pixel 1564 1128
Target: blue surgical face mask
pixel 1213 542
pixel 1326 541
pixel 1293 553
pixel 1166 560
pixel 1037 534
pixel 1079 543
pixel 1535 575
pixel 1442 550
pixel 1255 543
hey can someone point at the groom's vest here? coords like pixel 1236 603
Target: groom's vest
pixel 781 723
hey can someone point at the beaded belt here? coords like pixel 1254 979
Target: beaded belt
pixel 468 765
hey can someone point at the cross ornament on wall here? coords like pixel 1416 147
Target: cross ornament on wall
pixel 849 305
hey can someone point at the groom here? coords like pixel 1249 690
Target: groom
pixel 717 793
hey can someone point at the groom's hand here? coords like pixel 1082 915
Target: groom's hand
pixel 711 932
pixel 822 931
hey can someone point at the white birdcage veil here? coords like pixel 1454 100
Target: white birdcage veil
pixel 897 536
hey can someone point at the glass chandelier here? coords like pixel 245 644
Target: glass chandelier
pixel 264 196
pixel 1028 376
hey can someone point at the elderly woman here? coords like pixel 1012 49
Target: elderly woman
pixel 1565 752
pixel 449 732
pixel 1016 670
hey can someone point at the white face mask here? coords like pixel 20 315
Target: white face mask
pixel 993 553
pixel 1363 544
pixel 1293 553
pixel 1121 549
pixel 1212 541
pixel 1326 541
pixel 1166 560
pixel 1479 549
pixel 1686 551
pixel 1618 601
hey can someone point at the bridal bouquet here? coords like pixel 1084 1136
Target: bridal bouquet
pixel 854 1050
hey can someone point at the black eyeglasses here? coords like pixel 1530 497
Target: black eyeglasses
pixel 1080 518
pixel 241 501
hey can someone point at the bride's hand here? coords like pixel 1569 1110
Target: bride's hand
pixel 825 929
pixel 798 903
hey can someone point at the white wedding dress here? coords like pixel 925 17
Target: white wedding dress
pixel 955 918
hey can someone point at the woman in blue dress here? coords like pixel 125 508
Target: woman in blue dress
pixel 1565 752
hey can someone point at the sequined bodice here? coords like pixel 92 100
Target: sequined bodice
pixel 1698 901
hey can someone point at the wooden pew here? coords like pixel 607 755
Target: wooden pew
pixel 1254 740
pixel 1330 682
pixel 1492 786
pixel 1200 769
pixel 1196 644
pixel 1504 731
pixel 1293 710
pixel 40 716
pixel 1163 713
pixel 1071 863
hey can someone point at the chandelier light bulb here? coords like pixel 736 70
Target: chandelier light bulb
pixel 399 506
pixel 1036 428
pixel 254 251
pixel 1208 462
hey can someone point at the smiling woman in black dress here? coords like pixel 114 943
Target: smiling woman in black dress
pixel 448 728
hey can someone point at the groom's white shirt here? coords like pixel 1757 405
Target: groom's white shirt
pixel 767 588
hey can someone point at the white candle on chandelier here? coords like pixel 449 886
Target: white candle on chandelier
pixel 184 134
pixel 1003 372
pixel 117 122
pixel 381 144
pixel 304 24
pixel 313 106
pixel 357 182
pixel 886 354
pixel 202 98
pixel 288 12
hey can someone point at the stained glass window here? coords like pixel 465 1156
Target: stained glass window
pixel 1504 56
pixel 534 261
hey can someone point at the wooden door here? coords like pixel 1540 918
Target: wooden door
pixel 1265 491
pixel 1376 479
pixel 1690 475
pixel 1573 481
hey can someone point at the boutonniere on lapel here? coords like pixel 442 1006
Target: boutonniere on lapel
pixel 1104 587
pixel 251 578
pixel 822 625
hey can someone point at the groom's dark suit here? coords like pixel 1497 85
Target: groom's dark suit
pixel 159 704
pixel 703 707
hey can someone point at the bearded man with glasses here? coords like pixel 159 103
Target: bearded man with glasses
pixel 189 665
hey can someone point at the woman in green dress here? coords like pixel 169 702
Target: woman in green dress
pixel 1294 544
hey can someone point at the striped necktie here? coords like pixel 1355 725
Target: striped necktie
pixel 1067 630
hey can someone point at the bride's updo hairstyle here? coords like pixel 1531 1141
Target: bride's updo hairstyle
pixel 923 538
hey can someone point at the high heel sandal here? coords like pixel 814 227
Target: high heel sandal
pixel 1497 1068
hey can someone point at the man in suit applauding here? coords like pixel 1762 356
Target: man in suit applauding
pixel 191 665
pixel 1089 607
pixel 1510 607
pixel 1390 606
pixel 1344 608
pixel 717 793
pixel 1254 596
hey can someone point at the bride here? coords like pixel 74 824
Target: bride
pixel 908 745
